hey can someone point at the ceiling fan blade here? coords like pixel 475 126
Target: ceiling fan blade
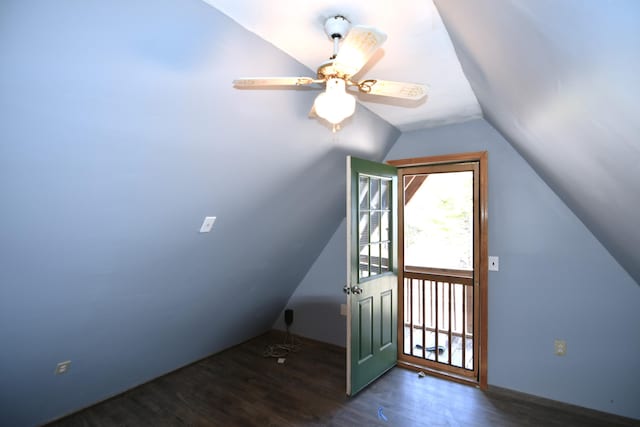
pixel 357 48
pixel 250 82
pixel 412 91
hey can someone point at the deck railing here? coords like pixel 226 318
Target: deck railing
pixel 438 315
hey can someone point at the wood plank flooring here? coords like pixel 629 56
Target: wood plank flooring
pixel 239 387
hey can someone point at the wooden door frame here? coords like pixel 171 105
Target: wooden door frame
pixel 482 158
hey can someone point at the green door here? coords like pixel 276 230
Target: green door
pixel 371 272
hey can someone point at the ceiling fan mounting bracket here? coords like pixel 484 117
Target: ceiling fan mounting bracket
pixel 337 27
pixel 327 71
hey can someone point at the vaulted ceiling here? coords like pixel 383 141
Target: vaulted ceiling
pixel 121 131
pixel 558 79
pixel 561 81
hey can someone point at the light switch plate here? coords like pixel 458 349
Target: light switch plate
pixel 207 224
pixel 494 263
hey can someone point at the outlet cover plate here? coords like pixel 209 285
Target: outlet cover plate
pixel 343 309
pixel 560 347
pixel 62 367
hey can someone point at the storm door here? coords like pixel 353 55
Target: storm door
pixel 442 267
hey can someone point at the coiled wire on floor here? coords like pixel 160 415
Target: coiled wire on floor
pixel 290 345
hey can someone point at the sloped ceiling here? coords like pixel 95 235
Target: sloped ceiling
pixel 561 81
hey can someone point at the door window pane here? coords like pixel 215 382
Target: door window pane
pixel 385 194
pixel 364 261
pixel 384 256
pixel 375 260
pixel 375 193
pixel 363 227
pixel 384 226
pixel 374 225
pixel 363 192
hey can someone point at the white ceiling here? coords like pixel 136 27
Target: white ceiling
pixel 418 49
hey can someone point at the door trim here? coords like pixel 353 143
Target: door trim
pixel 481 157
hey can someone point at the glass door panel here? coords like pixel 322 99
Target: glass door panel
pixel 440 217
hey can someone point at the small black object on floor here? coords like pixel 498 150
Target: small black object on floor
pixel 431 349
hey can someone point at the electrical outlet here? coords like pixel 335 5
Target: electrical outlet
pixel 343 309
pixel 62 367
pixel 560 347
pixel 207 224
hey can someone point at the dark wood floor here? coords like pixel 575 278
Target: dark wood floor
pixel 239 387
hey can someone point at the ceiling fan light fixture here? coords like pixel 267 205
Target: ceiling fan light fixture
pixel 335 104
pixel 353 48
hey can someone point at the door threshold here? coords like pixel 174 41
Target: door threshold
pixel 439 374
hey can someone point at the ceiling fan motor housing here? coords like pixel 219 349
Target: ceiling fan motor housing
pixel 337 27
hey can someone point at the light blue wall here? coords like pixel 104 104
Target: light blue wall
pixel 119 132
pixel 556 281
pixel 316 302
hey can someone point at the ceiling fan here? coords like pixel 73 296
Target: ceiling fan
pixel 349 56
